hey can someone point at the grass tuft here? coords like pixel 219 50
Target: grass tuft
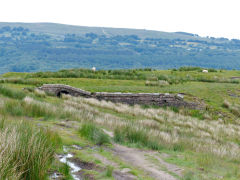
pixel 26 152
pixel 94 133
pixel 109 171
pixel 132 135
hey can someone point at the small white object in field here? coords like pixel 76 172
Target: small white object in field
pixel 205 71
pixel 180 96
pixel 93 69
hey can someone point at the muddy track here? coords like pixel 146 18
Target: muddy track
pixel 138 158
pixel 159 169
pixel 148 161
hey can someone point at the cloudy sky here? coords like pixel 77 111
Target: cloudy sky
pixel 218 18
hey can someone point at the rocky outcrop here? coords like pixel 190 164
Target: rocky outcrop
pixel 158 99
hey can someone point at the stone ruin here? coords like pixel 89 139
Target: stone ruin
pixel 158 99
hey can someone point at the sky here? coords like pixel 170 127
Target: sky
pixel 216 18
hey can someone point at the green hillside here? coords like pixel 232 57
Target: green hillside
pixel 62 29
pixel 31 47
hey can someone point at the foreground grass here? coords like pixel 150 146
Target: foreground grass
pixel 26 152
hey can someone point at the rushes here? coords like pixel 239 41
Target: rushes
pixel 93 133
pixel 8 169
pixel 136 136
pixel 26 152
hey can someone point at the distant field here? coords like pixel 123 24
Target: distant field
pixel 212 88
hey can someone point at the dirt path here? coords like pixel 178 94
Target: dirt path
pixel 139 158
pixel 148 161
pixel 144 160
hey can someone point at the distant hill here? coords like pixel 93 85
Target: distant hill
pixel 62 29
pixel 49 47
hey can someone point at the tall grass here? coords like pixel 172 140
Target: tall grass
pixel 137 136
pixel 166 128
pixel 88 73
pixel 169 129
pixel 234 108
pixel 26 152
pixel 12 93
pixel 21 81
pixel 27 108
pixel 39 93
pixel 94 133
pixel 154 78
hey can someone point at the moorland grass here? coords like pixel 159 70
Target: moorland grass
pixel 94 133
pixel 184 74
pixel 208 140
pixel 12 93
pixel 129 134
pixel 209 87
pixel 21 81
pixel 234 108
pixel 24 108
pixel 26 152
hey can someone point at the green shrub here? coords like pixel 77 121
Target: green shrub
pixel 94 133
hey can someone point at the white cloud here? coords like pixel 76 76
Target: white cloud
pixel 205 17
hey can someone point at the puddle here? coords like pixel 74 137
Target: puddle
pixel 74 167
pixel 77 147
pixel 55 176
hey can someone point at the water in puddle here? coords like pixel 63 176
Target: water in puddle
pixel 55 175
pixel 65 159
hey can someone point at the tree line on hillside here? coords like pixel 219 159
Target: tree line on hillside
pixel 22 50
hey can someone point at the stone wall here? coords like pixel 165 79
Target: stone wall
pixel 158 99
pixel 58 89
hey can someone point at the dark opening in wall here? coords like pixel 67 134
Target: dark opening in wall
pixel 59 94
